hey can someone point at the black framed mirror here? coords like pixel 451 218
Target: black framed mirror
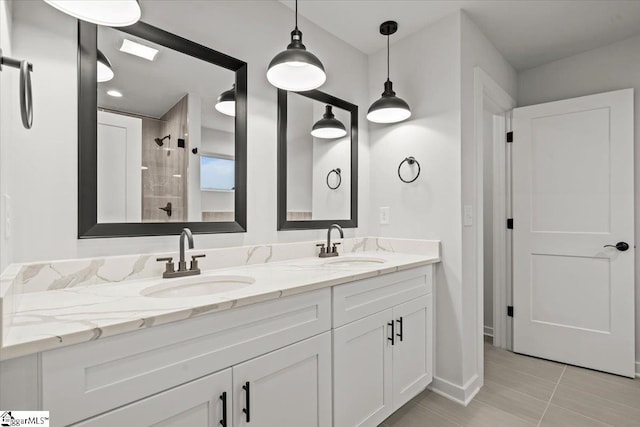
pixel 160 145
pixel 317 161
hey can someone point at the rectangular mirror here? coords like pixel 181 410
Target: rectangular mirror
pixel 162 134
pixel 317 173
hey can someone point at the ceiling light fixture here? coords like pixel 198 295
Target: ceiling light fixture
pixel 296 69
pixel 137 49
pixel 114 93
pixel 105 71
pixel 328 127
pixel 112 13
pixel 226 102
pixel 389 108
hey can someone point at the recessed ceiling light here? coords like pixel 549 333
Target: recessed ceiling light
pixel 138 49
pixel 177 175
pixel 114 93
pixel 144 168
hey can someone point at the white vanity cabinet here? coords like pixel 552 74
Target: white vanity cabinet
pixel 287 387
pixel 383 359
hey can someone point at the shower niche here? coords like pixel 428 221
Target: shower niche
pixel 162 134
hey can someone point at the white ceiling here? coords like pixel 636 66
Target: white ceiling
pixel 527 32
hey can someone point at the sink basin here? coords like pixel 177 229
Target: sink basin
pixel 197 286
pixel 355 262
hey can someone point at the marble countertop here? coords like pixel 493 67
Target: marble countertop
pixel 57 318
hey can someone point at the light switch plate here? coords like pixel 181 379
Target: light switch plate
pixel 467 218
pixel 384 215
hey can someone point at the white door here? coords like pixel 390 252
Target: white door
pixel 572 197
pixel 412 351
pixel 200 403
pixel 362 367
pixel 119 168
pixel 289 387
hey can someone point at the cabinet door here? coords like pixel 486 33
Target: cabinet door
pixel 362 394
pixel 290 387
pixel 198 404
pixel 412 352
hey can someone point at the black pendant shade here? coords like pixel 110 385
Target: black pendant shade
pixel 105 71
pixel 226 102
pixel 389 108
pixel 328 127
pixel 296 69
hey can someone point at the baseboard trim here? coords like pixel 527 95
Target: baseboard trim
pixel 638 369
pixel 488 331
pixel 459 394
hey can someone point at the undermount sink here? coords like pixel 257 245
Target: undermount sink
pixel 197 286
pixel 355 262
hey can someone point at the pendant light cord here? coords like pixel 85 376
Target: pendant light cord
pixel 296 14
pixel 387 56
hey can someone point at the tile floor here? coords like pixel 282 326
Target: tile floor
pixel 525 391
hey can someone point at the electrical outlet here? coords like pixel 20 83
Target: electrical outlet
pixel 467 219
pixel 384 215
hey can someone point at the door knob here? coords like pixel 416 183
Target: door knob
pixel 621 246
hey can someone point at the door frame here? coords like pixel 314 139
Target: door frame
pixel 487 90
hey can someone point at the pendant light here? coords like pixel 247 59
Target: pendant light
pixel 226 102
pixel 389 108
pixel 328 127
pixel 105 71
pixel 296 69
pixel 111 13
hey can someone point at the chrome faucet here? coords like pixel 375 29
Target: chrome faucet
pixel 329 250
pixel 182 264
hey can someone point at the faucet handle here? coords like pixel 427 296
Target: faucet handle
pixel 169 267
pixel 322 248
pixel 194 261
pixel 335 247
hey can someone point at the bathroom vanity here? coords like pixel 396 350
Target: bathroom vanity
pixel 299 342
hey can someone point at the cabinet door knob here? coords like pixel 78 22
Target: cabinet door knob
pixel 400 328
pixel 247 393
pixel 223 397
pixel 393 335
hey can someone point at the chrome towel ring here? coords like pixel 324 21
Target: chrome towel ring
pixel 410 160
pixel 26 94
pixel 338 173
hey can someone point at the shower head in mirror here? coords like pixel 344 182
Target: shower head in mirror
pixel 160 141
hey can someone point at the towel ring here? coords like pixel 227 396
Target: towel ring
pixel 26 95
pixel 338 173
pixel 410 160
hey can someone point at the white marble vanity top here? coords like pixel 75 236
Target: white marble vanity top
pixel 55 318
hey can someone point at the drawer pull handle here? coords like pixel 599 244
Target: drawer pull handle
pixel 223 397
pixel 247 410
pixel 392 338
pixel 400 328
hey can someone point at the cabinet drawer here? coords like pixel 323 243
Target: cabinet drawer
pixel 363 298
pixel 87 379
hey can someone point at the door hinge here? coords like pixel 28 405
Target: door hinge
pixel 510 223
pixel 510 310
pixel 510 136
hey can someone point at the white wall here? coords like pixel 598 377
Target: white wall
pixel 476 51
pixel 45 204
pixel 9 117
pixel 612 67
pixel 425 70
